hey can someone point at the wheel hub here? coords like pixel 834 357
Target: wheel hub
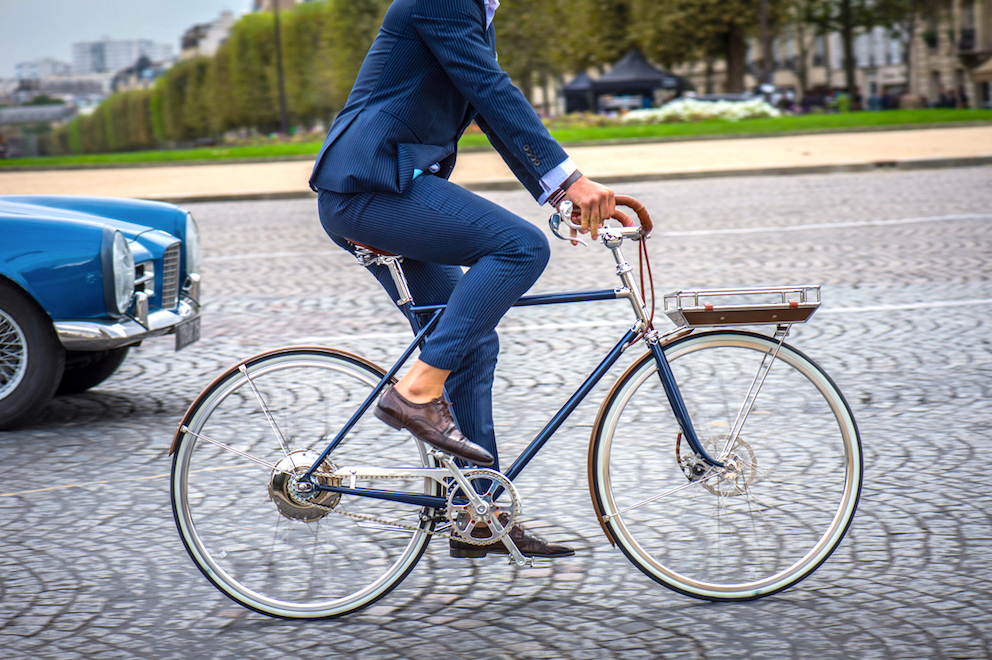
pixel 296 498
pixel 13 354
pixel 738 471
pixel 732 479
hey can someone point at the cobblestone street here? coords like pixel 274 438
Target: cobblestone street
pixel 91 565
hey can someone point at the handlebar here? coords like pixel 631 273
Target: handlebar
pixel 567 214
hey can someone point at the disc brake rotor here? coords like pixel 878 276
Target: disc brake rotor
pixel 739 468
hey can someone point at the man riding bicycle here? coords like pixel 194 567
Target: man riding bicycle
pixel 382 178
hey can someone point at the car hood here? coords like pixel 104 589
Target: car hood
pixel 131 216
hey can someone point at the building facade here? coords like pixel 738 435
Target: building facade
pixel 949 61
pixel 42 69
pixel 205 38
pixel 111 56
pixel 269 5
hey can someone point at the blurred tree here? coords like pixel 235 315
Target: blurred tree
pixel 809 19
pixel 903 18
pixel 677 31
pixel 350 31
pixel 591 33
pixel 251 59
pixel 44 99
pixel 222 106
pixel 527 43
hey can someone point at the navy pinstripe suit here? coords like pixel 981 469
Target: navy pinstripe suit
pixel 431 71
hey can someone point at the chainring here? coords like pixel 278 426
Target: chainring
pixel 475 527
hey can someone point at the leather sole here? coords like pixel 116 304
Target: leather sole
pixel 467 553
pixel 478 551
pixel 388 419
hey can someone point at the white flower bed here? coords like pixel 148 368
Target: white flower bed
pixel 682 110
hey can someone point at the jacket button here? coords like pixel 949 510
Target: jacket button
pixel 435 168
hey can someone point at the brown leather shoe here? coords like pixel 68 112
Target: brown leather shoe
pixel 432 423
pixel 530 545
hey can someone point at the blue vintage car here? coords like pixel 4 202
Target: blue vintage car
pixel 82 279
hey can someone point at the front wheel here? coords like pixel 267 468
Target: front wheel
pixel 258 539
pixel 31 357
pixel 84 370
pixel 776 511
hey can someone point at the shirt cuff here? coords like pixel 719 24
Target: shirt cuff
pixel 551 181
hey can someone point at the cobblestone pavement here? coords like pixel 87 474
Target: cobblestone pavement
pixel 91 565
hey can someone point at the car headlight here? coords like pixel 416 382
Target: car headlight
pixel 192 244
pixel 118 272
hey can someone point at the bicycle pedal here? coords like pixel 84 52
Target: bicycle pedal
pixel 523 562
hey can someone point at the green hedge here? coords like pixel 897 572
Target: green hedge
pixel 323 46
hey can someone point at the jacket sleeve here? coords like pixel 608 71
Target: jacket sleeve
pixel 453 30
pixel 523 175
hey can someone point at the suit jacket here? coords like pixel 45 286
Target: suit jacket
pixel 431 70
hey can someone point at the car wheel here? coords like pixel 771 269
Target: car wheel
pixel 31 357
pixel 86 369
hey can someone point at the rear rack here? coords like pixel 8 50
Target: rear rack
pixel 759 306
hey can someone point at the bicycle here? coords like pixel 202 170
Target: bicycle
pixel 724 463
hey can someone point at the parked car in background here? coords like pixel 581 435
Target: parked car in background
pixel 83 279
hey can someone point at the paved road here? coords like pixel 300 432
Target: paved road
pixel 91 566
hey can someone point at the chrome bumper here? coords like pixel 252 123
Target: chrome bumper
pixel 101 335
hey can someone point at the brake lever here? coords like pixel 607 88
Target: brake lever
pixel 555 222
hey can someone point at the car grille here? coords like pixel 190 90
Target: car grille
pixel 170 276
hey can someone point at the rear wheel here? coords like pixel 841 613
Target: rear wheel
pixel 782 503
pixel 257 538
pixel 31 357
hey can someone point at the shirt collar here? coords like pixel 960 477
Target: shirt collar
pixel 491 6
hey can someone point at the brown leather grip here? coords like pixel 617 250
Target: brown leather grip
pixel 629 202
pixel 639 209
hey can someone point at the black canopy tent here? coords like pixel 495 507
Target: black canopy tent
pixel 578 94
pixel 631 76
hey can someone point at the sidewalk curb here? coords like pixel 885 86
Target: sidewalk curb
pixel 513 184
pixel 488 148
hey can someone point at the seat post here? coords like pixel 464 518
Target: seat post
pixel 399 279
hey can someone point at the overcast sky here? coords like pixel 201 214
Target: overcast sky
pixel 30 29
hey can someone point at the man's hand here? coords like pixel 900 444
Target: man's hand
pixel 595 202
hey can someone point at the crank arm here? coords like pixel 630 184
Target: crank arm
pixel 515 555
pixel 454 471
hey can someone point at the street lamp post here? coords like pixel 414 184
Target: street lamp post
pixel 766 46
pixel 283 120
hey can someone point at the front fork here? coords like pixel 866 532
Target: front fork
pixel 675 398
pixel 656 344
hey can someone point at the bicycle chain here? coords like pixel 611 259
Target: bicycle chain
pixel 515 504
pixel 382 521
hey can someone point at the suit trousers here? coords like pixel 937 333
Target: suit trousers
pixel 438 228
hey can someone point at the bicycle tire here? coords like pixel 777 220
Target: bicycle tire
pixel 268 553
pixel 742 534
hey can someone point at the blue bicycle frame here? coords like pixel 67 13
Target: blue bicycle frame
pixel 425 318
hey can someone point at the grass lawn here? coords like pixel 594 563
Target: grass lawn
pixel 812 122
